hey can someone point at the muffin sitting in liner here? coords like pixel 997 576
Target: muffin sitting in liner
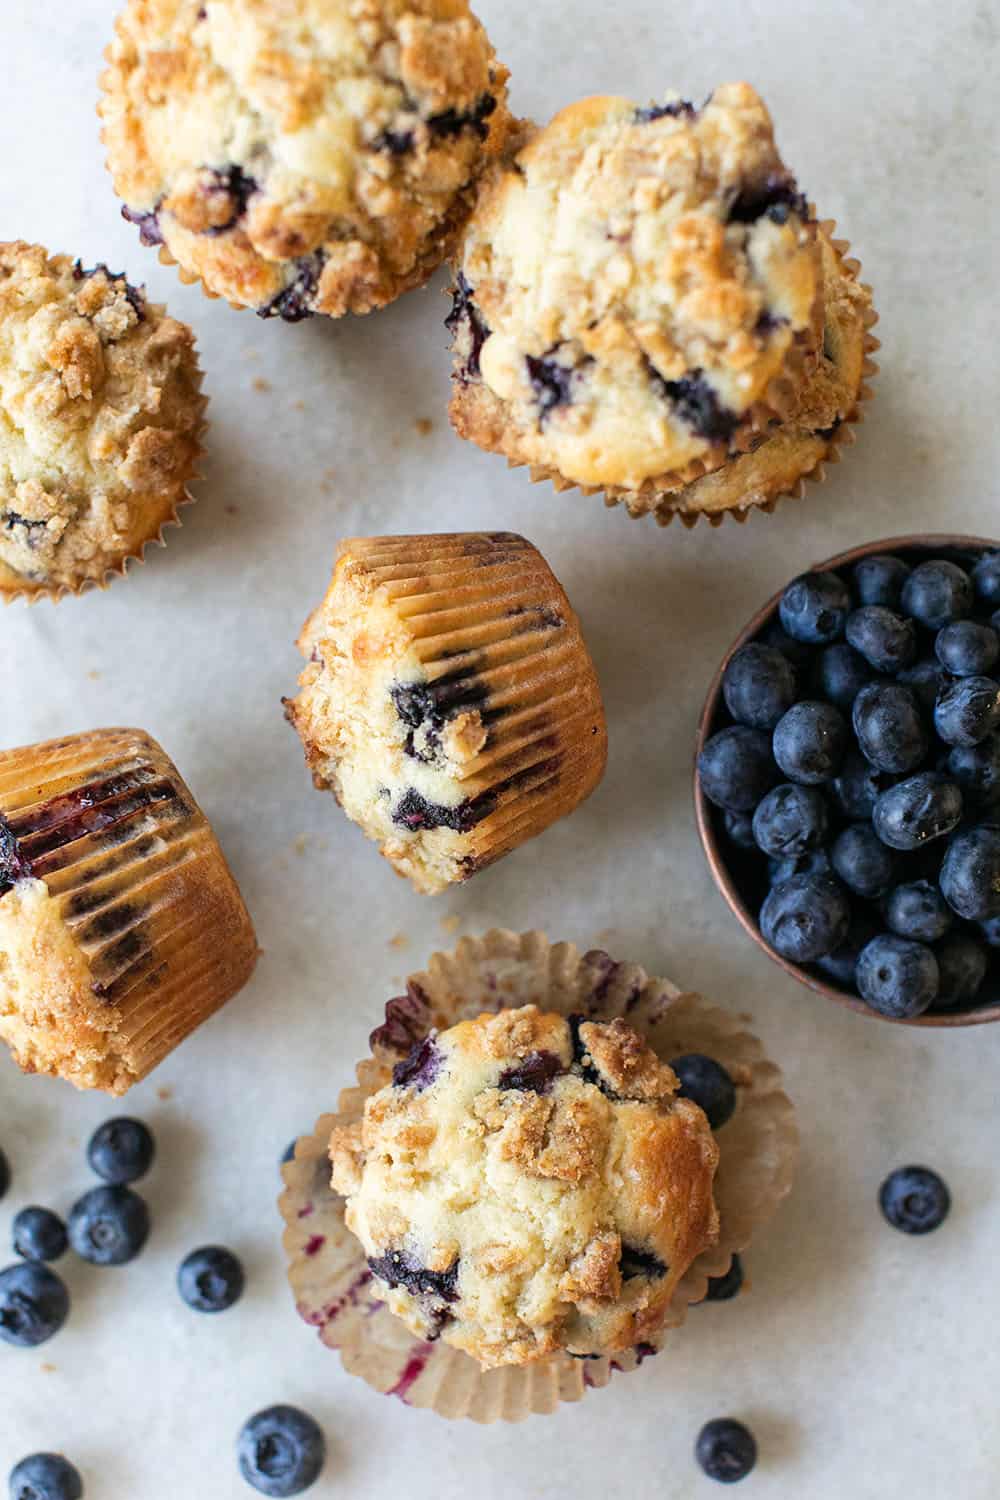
pixel 449 702
pixel 121 927
pixel 530 1183
pixel 638 292
pixel 317 156
pixel 101 397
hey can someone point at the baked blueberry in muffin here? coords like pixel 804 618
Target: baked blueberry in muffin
pixel 542 1188
pixel 317 156
pixel 449 701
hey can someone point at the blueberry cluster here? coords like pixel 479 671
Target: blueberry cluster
pixel 856 770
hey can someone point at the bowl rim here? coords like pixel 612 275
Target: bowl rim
pixel 922 541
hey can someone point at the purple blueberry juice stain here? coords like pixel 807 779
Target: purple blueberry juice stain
pixel 466 318
pixel 427 708
pixel 331 1312
pixel 14 866
pixel 407 1019
pixel 314 1245
pixel 307 1211
pixel 98 809
pixel 644 1351
pixel 148 224
pixel 606 971
pixel 416 813
pixel 419 1070
pixel 411 1373
pixel 133 296
pixel 535 1073
pixel 777 198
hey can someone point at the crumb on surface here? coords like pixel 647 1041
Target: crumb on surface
pixel 424 426
pixel 165 1093
pixel 261 385
pixel 301 844
pixel 93 675
pixel 451 923
pixel 399 940
pixel 231 510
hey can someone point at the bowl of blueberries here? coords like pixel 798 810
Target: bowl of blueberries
pixel 847 781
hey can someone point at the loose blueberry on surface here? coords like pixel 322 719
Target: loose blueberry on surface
pixel 842 963
pixel 863 862
pixel 986 579
pixel 967 649
pixel 841 673
pixel 34 1304
pixel 968 710
pixel 813 862
pixel 281 1451
pixel 419 1069
pixel 914 1199
pixel 708 1084
pixel 879 580
pixel 925 680
pixel 726 1450
pixel 885 639
pixel 970 874
pixel 39 1234
pixel 919 911
pixel 109 1226
pixel 45 1476
pixel 915 811
pixel 790 820
pixel 814 608
pixel 121 1150
pixel 805 918
pixel 210 1279
pixel 859 785
pixel 975 769
pixel 723 1288
pixel 810 742
pixel 936 593
pixel 736 768
pixel 759 686
pixel 4 1174
pixel 897 977
pixel 738 828
pixel 888 727
pixel 962 965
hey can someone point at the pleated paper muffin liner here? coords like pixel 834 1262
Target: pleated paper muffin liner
pixel 495 635
pixel 138 892
pixel 14 586
pixel 335 1291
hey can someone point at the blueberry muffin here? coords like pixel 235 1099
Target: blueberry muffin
pixel 316 156
pixel 528 1184
pixel 449 701
pixel 102 410
pixel 636 291
pixel 121 927
pixel 788 452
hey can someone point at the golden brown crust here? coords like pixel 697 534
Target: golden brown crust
pixel 317 156
pixel 101 393
pixel 449 702
pixel 121 926
pixel 553 1212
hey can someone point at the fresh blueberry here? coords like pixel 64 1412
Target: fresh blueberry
pixel 841 964
pixel 797 652
pixel 4 1174
pixel 841 673
pixel 936 593
pixel 121 1150
pixel 863 862
pixel 728 1285
pixel 281 1451
pixel 914 1199
pixel 976 771
pixel 45 1476
pixel 986 579
pixel 39 1234
pixel 759 686
pixel 967 710
pixel 885 640
pixel 814 608
pixel 888 727
pixel 962 964
pixel 859 786
pixel 736 768
pixel 790 820
pixel 810 741
pixel 970 875
pixel 109 1225
pixel 914 811
pixel 879 580
pixel 813 862
pixel 210 1279
pixel 897 977
pixel 726 1450
pixel 919 911
pixel 805 918
pixel 966 649
pixel 925 679
pixel 708 1084
pixel 739 829
pixel 34 1304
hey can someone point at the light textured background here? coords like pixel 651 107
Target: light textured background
pixel 866 1363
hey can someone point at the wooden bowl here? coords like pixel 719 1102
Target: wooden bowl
pixel 719 854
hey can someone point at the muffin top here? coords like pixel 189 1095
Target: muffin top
pixel 100 392
pixel 631 286
pixel 302 156
pixel 528 1184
